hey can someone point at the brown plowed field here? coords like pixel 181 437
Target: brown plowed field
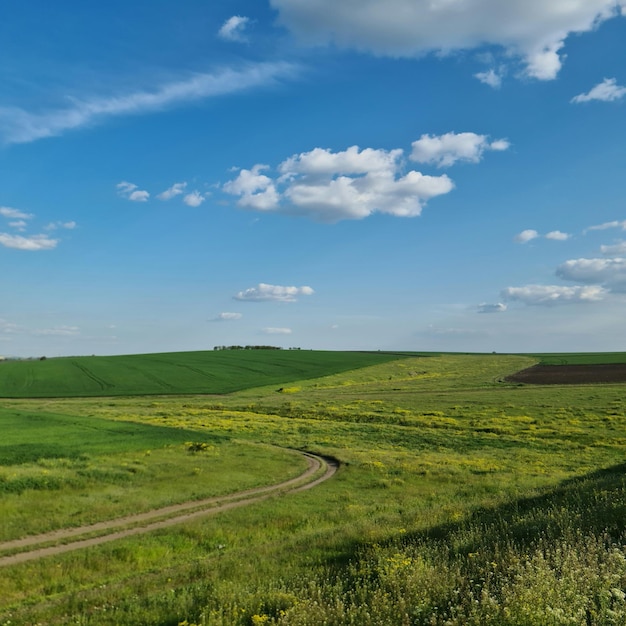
pixel 571 374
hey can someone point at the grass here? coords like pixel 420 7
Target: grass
pixel 583 358
pixel 214 372
pixel 461 500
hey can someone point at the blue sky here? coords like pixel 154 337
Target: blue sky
pixel 396 175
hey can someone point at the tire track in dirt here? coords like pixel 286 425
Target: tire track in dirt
pixel 165 517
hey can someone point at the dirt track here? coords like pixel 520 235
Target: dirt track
pixel 571 374
pixel 158 518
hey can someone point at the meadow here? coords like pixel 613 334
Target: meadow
pixel 461 499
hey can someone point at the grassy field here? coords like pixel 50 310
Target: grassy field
pixel 173 373
pixel 461 500
pixel 583 358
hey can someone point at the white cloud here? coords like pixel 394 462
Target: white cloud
pixel 534 30
pixel 277 331
pixel 608 225
pixel 19 225
pixel 175 190
pixel 557 235
pixel 492 308
pixel 233 28
pixel 14 214
pixel 526 235
pixel 277 293
pixel 446 150
pixel 130 191
pixel 606 91
pixel 490 77
pixel 330 186
pixel 195 198
pixel 59 331
pixel 34 242
pixel 227 317
pixel 548 295
pixel 617 249
pixel 255 190
pixel 66 225
pixel 20 126
pixel 608 272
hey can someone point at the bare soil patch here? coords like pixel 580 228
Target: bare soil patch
pixel 571 374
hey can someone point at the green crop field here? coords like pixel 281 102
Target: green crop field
pixel 460 499
pixel 221 371
pixel 583 358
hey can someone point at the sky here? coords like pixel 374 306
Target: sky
pixel 437 175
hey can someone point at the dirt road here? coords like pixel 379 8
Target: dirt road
pixel 68 539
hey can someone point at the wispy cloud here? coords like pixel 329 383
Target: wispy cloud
pixel 20 126
pixel 490 77
pixel 58 331
pixel 34 242
pixel 277 331
pixel 175 190
pixel 130 191
pixel 550 295
pixel 227 316
pixel 234 28
pixel 492 308
pixel 606 91
pixel 277 293
pixel 607 225
pixel 14 214
pixel 65 225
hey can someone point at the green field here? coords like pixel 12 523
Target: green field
pixel 461 499
pixel 583 358
pixel 173 373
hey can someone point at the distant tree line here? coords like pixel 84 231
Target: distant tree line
pixel 250 348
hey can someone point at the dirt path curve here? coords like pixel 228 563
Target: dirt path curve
pixel 160 518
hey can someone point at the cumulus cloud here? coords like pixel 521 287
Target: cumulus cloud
pixel 21 126
pixel 446 150
pixel 195 198
pixel 606 91
pixel 277 293
pixel 557 235
pixel 330 186
pixel 130 191
pixel 608 272
pixel 34 242
pixel 227 317
pixel 14 214
pixel 255 190
pixel 548 295
pixel 175 190
pixel 234 28
pixel 277 331
pixel 526 235
pixel 492 308
pixel 533 30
